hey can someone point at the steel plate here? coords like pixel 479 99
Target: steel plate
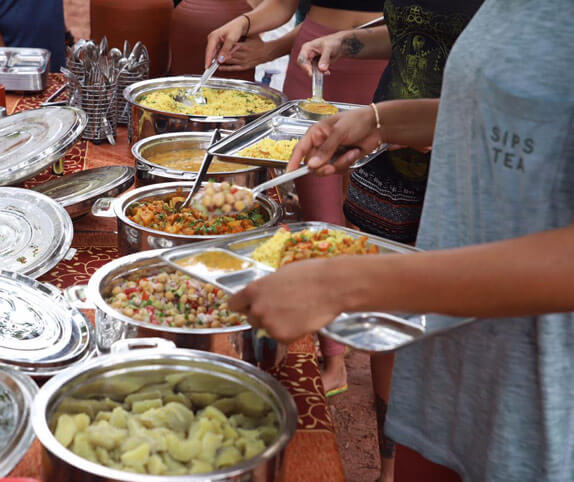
pixel 35 231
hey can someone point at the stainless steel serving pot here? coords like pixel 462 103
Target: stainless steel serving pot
pixel 148 172
pixel 111 325
pixel 133 237
pixel 63 465
pixel 147 122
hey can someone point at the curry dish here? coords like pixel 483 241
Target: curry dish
pixel 219 102
pixel 162 215
pixel 321 108
pixel 190 160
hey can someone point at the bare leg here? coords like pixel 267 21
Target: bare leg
pixel 382 371
pixel 335 373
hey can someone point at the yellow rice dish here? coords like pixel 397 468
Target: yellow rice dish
pixel 285 247
pixel 269 149
pixel 220 102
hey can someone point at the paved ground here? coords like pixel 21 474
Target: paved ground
pixel 352 411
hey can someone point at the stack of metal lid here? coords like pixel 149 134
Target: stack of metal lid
pixel 34 139
pixel 41 333
pixel 17 392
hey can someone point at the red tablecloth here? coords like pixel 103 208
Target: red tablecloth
pixel 312 454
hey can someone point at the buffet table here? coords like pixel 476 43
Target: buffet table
pixel 312 454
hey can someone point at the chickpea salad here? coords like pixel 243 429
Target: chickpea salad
pixel 175 300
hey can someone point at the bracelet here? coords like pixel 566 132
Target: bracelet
pixel 248 24
pixel 377 118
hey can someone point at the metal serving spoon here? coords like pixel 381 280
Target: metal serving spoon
pixel 201 173
pixel 193 96
pixel 306 108
pixel 251 194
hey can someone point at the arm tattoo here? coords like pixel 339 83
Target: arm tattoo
pixel 386 445
pixel 352 46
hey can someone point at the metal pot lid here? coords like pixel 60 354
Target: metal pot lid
pixel 40 332
pixel 17 391
pixel 35 231
pixel 85 187
pixel 32 140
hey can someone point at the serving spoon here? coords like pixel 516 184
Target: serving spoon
pixel 201 173
pixel 191 97
pixel 317 98
pixel 249 196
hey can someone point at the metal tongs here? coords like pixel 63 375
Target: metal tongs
pixel 193 96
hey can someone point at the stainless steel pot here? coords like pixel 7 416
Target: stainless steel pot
pixel 148 172
pixel 111 325
pixel 62 465
pixel 134 238
pixel 147 122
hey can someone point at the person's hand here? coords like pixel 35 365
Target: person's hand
pixel 329 49
pixel 224 39
pixel 354 130
pixel 248 54
pixel 299 298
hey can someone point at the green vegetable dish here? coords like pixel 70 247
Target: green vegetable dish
pixel 170 424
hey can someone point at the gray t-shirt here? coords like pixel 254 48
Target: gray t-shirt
pixel 494 400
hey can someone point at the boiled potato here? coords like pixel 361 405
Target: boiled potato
pixel 166 424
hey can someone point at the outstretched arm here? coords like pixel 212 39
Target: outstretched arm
pixel 506 278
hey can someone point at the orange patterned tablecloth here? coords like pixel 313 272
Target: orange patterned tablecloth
pixel 312 455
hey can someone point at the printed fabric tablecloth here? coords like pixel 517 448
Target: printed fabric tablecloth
pixel 312 454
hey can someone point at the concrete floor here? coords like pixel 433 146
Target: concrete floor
pixel 352 411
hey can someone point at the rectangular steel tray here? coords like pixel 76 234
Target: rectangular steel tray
pixel 370 332
pixel 283 123
pixel 24 69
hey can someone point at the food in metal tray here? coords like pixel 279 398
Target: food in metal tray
pixel 268 148
pixel 220 102
pixel 166 424
pixel 223 199
pixel 321 108
pixel 172 299
pixel 190 160
pixel 214 263
pixel 162 215
pixel 285 247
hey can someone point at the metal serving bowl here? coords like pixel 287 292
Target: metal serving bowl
pixel 147 172
pixel 133 237
pixel 63 465
pixel 111 325
pixel 147 122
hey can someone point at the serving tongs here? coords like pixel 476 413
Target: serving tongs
pixel 207 158
pixel 191 97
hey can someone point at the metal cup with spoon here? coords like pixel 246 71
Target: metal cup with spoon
pixel 316 108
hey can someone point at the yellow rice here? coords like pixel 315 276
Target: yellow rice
pixel 220 102
pixel 269 149
pixel 271 251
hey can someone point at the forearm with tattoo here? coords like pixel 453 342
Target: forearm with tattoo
pixel 352 46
